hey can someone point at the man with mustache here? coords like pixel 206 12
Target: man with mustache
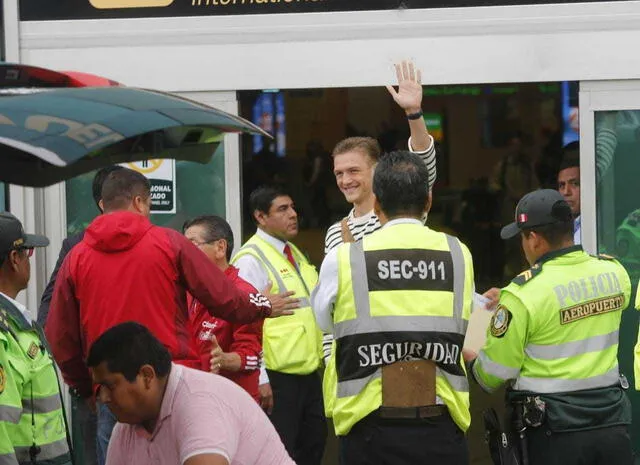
pixel 292 347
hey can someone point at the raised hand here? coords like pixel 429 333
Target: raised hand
pixel 409 93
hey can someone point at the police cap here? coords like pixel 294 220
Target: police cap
pixel 538 208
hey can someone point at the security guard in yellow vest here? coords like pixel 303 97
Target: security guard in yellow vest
pixel 554 339
pixel 398 304
pixel 292 345
pixel 32 423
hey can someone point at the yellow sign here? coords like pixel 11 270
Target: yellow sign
pixel 111 4
pixel 146 166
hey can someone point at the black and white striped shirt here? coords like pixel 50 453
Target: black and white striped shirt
pixel 366 224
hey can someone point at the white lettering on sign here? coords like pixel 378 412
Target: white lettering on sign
pixel 407 269
pixel 391 352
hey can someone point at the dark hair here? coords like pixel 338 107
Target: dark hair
pixel 215 228
pixel 121 187
pixel 570 156
pixel 126 348
pixel 262 198
pixel 98 181
pixel 401 184
pixel 367 145
pixel 556 233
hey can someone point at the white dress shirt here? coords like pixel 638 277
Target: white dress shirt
pixel 252 271
pixel 24 310
pixel 324 295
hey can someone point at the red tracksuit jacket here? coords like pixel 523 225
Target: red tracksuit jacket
pixel 245 340
pixel 126 269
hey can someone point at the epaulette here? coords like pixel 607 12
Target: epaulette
pixel 4 321
pixel 604 256
pixel 528 275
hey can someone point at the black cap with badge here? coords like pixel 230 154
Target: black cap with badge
pixel 538 208
pixel 12 235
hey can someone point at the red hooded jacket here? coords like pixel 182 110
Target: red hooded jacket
pixel 126 269
pixel 245 340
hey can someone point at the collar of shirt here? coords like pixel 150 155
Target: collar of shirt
pixel 358 220
pixel 175 375
pixel 558 253
pixel 19 306
pixel 275 242
pixel 403 221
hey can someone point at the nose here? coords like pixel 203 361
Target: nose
pixel 564 190
pixel 292 213
pixel 346 179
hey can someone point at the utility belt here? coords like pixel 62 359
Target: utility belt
pixel 559 413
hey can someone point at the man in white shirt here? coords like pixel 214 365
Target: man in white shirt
pixel 569 185
pixel 292 346
pixel 355 158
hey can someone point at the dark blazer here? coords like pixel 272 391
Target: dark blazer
pixel 68 244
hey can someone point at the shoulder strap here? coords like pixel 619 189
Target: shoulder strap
pixel 346 232
pixel 527 275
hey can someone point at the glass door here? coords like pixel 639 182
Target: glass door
pixel 610 178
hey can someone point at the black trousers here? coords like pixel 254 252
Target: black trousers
pixel 604 446
pixel 298 415
pixel 428 441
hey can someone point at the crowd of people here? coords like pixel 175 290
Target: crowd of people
pixel 177 351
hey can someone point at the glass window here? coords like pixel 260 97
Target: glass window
pixel 618 212
pixel 3 197
pixel 200 190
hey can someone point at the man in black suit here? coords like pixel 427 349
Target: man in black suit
pixel 84 415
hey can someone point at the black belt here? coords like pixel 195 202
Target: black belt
pixel 426 411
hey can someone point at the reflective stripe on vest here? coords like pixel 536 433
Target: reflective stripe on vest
pixel 365 323
pixel 47 451
pixel 42 405
pixel 10 414
pixel 496 369
pixel 8 459
pixel 551 385
pixel 304 301
pixel 571 349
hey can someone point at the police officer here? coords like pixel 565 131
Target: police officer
pixel 398 304
pixel 292 346
pixel 32 424
pixel 554 339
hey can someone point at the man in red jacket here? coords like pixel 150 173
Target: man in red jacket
pixel 126 269
pixel 232 350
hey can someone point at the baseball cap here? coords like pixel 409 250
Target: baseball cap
pixel 12 235
pixel 538 208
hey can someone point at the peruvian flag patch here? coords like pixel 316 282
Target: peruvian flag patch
pixel 522 218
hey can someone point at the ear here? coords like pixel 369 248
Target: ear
pixel 428 203
pixel 376 207
pixel 14 260
pixel 148 375
pixel 221 249
pixel 101 205
pixel 260 217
